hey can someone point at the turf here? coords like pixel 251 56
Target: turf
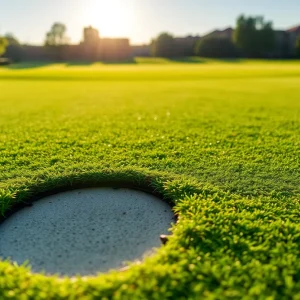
pixel 220 140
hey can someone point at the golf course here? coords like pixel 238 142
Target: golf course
pixel 219 140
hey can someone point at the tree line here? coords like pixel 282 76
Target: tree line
pixel 253 37
pixel 56 37
pixel 57 47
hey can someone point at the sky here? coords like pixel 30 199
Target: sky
pixel 139 20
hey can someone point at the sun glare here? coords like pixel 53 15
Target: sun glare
pixel 113 18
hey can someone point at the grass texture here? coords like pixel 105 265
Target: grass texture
pixel 220 140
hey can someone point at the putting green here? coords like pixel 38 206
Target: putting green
pixel 219 140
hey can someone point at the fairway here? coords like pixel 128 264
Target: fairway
pixel 220 140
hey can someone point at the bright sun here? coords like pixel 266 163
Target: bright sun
pixel 113 18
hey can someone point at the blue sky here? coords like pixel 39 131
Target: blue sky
pixel 140 20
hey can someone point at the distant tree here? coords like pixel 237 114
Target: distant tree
pixel 298 46
pixel 14 50
pixel 244 34
pixel 55 41
pixel 254 36
pixel 216 47
pixel 266 37
pixel 163 45
pixel 3 45
pixel 11 39
pixel 57 35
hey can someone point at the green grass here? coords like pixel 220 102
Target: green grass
pixel 220 140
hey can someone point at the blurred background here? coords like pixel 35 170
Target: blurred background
pixel 119 30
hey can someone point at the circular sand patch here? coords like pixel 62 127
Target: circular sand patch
pixel 85 231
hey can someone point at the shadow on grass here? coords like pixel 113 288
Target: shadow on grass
pixel 83 63
pixel 28 65
pixel 133 61
pixel 78 63
pixel 189 60
pixel 230 60
pixel 125 62
pixel 203 60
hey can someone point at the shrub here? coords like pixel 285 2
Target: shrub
pixel 216 48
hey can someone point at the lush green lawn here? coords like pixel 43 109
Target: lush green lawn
pixel 221 140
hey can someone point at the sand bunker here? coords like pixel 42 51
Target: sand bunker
pixel 85 231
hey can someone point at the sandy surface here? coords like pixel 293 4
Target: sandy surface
pixel 85 231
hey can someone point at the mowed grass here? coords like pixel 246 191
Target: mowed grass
pixel 219 140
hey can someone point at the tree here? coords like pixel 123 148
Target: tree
pixel 3 45
pixel 163 45
pixel 298 46
pixel 11 39
pixel 57 35
pixel 55 41
pixel 254 36
pixel 216 47
pixel 266 37
pixel 14 50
